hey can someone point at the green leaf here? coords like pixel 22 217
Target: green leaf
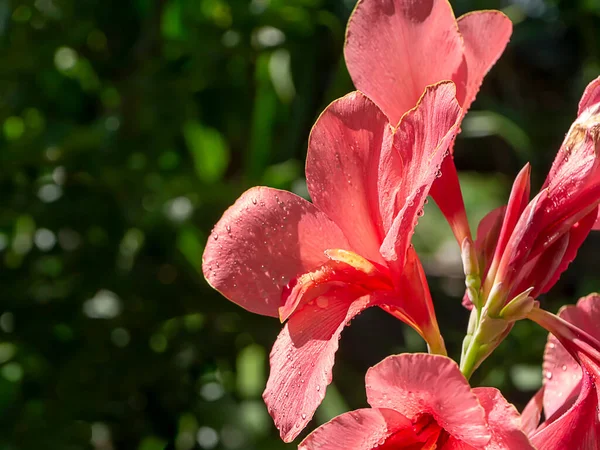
pixel 209 150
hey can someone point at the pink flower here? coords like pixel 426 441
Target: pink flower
pixel 571 388
pixel 533 242
pixel 317 265
pixel 421 401
pixel 394 48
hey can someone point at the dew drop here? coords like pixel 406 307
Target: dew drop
pixel 215 236
pixel 322 302
pixel 318 388
pixel 564 368
pixel 303 416
pixel 228 228
pixel 549 375
pixel 438 174
pixel 254 201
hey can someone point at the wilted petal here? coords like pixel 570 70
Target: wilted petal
pixel 264 240
pixel 503 420
pixel 363 429
pixel 303 356
pixel 388 56
pixel 341 168
pixel 485 34
pixel 415 384
pixel 421 142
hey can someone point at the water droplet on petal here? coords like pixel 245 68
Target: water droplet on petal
pixel 254 201
pixel 303 416
pixel 318 388
pixel 549 375
pixel 322 302
pixel 564 368
pixel 228 228
pixel 215 236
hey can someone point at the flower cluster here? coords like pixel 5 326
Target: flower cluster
pixel 374 156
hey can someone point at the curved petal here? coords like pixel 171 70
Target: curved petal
pixel 303 356
pixel 503 420
pixel 576 428
pixel 485 35
pixel 412 303
pixel 562 377
pixel 363 429
pixel 264 240
pixel 395 48
pixel 532 413
pixel 414 384
pixel 590 97
pixel 420 145
pixel 341 169
pixel 562 374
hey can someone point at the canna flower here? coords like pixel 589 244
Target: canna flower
pixel 394 48
pixel 533 242
pixel 317 265
pixel 421 401
pixel 569 397
pixel 539 239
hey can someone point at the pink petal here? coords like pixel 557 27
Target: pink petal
pixel 414 384
pixel 562 373
pixel 341 169
pixel 531 415
pixel 590 97
pixel 485 34
pixel 263 241
pixel 363 429
pixel 412 303
pixel 395 48
pixel 562 377
pixel 303 356
pixel 421 142
pixel 578 428
pixel 503 420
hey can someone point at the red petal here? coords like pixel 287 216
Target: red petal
pixel 302 359
pixel 415 384
pixel 421 142
pixel 577 235
pixel 412 303
pixel 590 97
pixel 578 428
pixel 263 241
pixel 530 417
pixel 344 267
pixel 485 34
pixel 341 169
pixel 448 196
pixel 363 429
pixel 503 420
pixel 518 200
pixel 562 373
pixel 395 48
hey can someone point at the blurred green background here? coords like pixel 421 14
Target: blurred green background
pixel 127 128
